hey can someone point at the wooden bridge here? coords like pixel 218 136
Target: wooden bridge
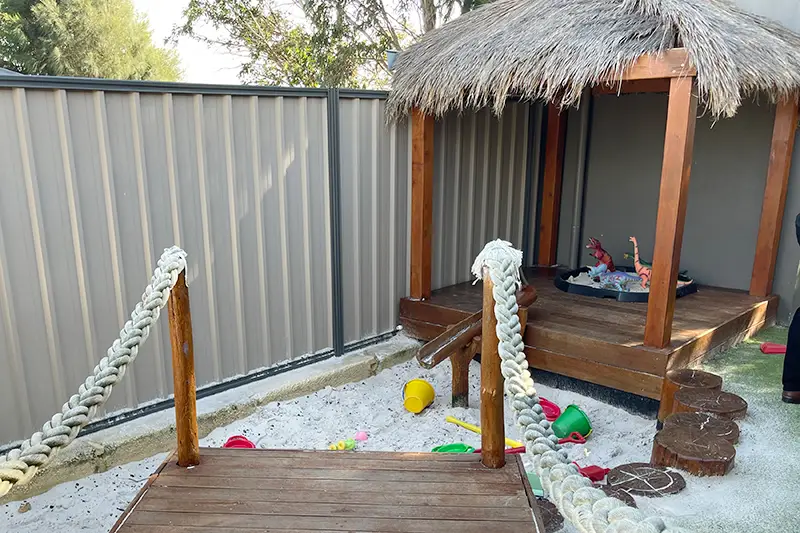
pixel 205 490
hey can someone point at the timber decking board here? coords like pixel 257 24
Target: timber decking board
pixel 234 490
pixel 604 335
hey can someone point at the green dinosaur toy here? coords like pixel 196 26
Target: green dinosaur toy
pixel 641 262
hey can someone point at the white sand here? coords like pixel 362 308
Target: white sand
pixel 375 406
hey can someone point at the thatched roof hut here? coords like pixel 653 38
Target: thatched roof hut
pixel 548 49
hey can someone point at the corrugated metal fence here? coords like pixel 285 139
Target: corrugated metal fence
pixel 98 177
pixel 292 204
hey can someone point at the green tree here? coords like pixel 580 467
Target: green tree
pixel 94 38
pixel 315 43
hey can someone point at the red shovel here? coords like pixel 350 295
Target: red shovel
pixel 593 472
pixel 773 348
pixel 573 438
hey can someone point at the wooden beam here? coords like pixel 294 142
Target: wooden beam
pixel 493 436
pixel 675 171
pixel 551 185
pixel 660 85
pixel 422 127
pixel 180 334
pixel 769 230
pixel 673 63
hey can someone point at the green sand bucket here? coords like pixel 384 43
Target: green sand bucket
pixel 457 447
pixel 572 419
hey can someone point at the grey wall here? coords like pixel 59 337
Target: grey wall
pixel 480 169
pixel 725 194
pixel 97 183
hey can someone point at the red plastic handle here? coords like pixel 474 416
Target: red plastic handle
pixel 574 438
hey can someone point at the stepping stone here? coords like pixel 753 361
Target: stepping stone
pixel 618 493
pixel 684 378
pixel 644 479
pixel 553 521
pixel 719 427
pixel 696 451
pixel 720 404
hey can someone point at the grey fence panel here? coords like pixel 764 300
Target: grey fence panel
pixel 375 170
pixel 480 168
pixel 97 183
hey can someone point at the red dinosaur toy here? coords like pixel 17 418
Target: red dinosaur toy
pixel 601 255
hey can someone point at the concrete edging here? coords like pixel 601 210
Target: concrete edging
pixel 155 433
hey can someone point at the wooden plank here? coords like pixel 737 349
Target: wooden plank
pixel 672 200
pixel 428 311
pixel 279 522
pixel 388 487
pixel 735 330
pixel 537 513
pixel 551 185
pixel 340 509
pixel 142 492
pixel 648 385
pixel 326 461
pixel 180 333
pixel 503 475
pixel 422 131
pixel 656 85
pixel 672 63
pixel 600 352
pixel 774 204
pixel 493 436
pixel 343 455
pixel 407 498
pixel 423 331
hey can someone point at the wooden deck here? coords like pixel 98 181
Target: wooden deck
pixel 600 340
pixel 236 490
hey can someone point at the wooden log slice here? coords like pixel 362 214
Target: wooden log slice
pixel 618 493
pixel 553 521
pixel 720 404
pixel 645 479
pixel 696 451
pixel 684 378
pixel 718 427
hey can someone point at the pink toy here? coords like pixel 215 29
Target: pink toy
pixel 361 436
pixel 773 348
pixel 238 441
pixel 551 410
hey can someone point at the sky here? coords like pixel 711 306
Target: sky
pixel 201 63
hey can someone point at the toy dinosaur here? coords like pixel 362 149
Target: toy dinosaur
pixel 643 269
pixel 618 281
pixel 600 254
pixel 647 264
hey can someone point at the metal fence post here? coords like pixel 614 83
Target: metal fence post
pixel 335 187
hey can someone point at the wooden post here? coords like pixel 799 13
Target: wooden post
pixel 769 230
pixel 180 333
pixel 460 362
pixel 422 127
pixel 675 171
pixel 551 185
pixel 493 435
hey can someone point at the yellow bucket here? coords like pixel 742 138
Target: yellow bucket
pixel 417 395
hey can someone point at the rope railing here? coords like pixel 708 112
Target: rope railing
pixel 588 508
pixel 19 465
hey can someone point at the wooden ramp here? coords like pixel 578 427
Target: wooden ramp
pixel 236 490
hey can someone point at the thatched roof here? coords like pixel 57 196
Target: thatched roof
pixel 541 49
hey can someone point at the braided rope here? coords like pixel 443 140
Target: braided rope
pixel 588 508
pixel 19 465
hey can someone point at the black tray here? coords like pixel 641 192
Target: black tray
pixel 573 288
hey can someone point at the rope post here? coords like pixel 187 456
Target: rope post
pixel 493 448
pixel 180 333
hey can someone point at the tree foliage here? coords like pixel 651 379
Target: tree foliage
pixel 315 43
pixel 94 38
